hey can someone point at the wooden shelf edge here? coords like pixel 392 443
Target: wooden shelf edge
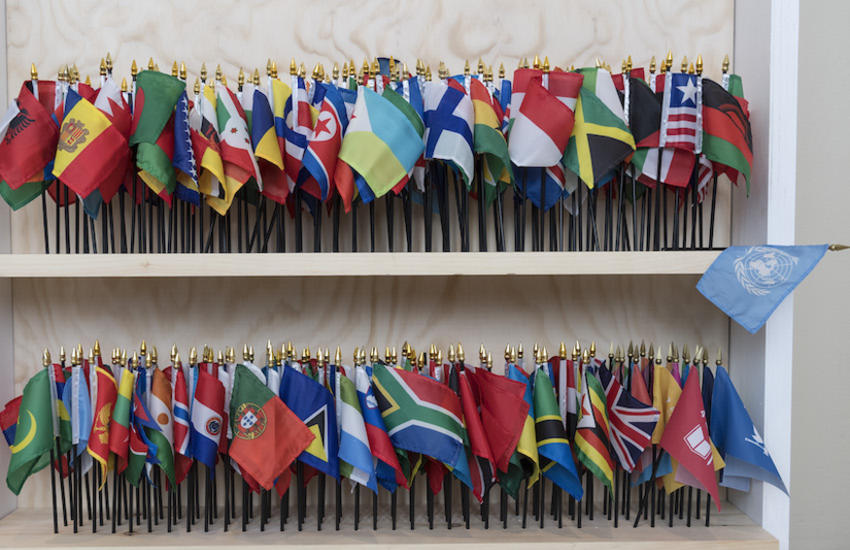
pixel 346 264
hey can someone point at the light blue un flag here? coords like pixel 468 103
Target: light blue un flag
pixel 749 282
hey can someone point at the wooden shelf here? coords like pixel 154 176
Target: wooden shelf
pixel 355 264
pixel 730 529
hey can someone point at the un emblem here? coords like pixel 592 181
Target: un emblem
pixel 761 268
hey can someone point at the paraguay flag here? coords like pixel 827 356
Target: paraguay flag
pixel 207 418
pixel 320 156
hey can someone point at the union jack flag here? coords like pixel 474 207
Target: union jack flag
pixel 630 421
pixel 681 112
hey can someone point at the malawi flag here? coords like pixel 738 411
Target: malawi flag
pixel 107 392
pixel 267 436
pixel 153 129
pixel 34 433
pixel 727 137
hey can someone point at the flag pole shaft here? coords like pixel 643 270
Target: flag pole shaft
pixel 44 222
pixel 336 209
pixel 711 215
pixel 427 210
pixel 371 226
pixel 356 507
pixel 62 481
pixel 299 228
pixel 390 214
pixel 393 507
pixel 115 499
pixel 57 232
pixel 407 204
pixel 411 503
pixel 53 490
pixel 338 504
pixel 375 511
pixel 354 226
pixel 317 227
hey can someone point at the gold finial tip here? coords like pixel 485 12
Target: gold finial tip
pixel 838 247
pixel 725 66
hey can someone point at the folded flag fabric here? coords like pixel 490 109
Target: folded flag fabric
pixel 503 413
pixel 29 141
pixel 206 418
pixel 267 436
pixel 749 282
pixel 631 422
pixel 34 434
pixel 449 120
pixel 727 138
pixel 737 439
pixel 379 440
pixel 9 419
pixel 356 459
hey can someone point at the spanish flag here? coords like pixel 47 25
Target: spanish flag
pixel 89 146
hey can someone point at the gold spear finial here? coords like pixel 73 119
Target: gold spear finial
pixel 460 355
pixel 256 77
pixel 466 69
pixel 102 68
pixel 240 78
pixel 501 70
pixel 611 350
pixel 154 355
pixel 251 353
pixel 629 64
pixel 725 66
pixel 338 356
pixel 442 72
pixel 224 80
pixel 585 356
pixel 719 357
pixel 197 87
pixel 651 352
pixel 536 63
pixel 668 63
pixel 175 70
pixel 274 69
pixel 134 69
pixel 546 64
pixel 631 350
pixel 203 73
pixel 513 354
pixel 293 67
pixel 193 355
pixel 451 354
pixel 837 247
pixel 623 67
pixel 320 357
pixel 593 348
pixel 356 355
pixel 392 69
pixel 218 72
pixel 691 69
pixel 182 71
pixel 336 71
pixel 45 358
pixel 480 65
pixel 375 69
pixel 686 355
pixel 148 361
pixel 124 87
pixel 670 353
pixel 428 73
pixel 652 65
pixel 519 351
pixel 268 66
pixel 619 354
pixel 684 67
pixel 150 63
pixel 675 353
pixel 387 354
pixel 482 353
pixel 488 74
pixel 173 352
pixel 562 351
pixel 230 354
pixel 75 77
pixel 345 72
pixel 373 354
pixel 489 361
pixel 316 73
pixel 699 64
pixel 704 357
pixel 220 357
pixel 96 349
pixel 108 62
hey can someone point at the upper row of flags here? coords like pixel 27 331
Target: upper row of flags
pixel 379 423
pixel 365 135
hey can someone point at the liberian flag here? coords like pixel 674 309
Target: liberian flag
pixel 681 113
pixel 207 418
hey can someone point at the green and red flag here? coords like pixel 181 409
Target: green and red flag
pixel 34 432
pixel 267 436
pixel 153 129
pixel 107 393
pixel 727 137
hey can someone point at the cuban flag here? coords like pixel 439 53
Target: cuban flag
pixel 320 156
pixel 681 113
pixel 449 119
pixel 207 418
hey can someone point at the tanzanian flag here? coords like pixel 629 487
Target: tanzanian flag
pixel 600 140
pixel 421 415
pixel 34 433
pixel 556 459
pixel 153 129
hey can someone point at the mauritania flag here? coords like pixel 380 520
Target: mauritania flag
pixel 421 415
pixel 356 461
pixel 556 460
pixel 34 434
pixel 449 119
pixel 160 408
pixel 381 143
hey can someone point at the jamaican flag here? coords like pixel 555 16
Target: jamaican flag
pixel 556 460
pixel 727 138
pixel 600 139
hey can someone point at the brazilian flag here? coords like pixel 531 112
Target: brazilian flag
pixel 556 459
pixel 600 140
pixel 34 434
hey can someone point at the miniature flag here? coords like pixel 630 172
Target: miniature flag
pixel 631 422
pixel 267 436
pixel 207 418
pixel 556 461
pixel 142 449
pixel 267 150
pixel 503 413
pixel 297 130
pixel 34 436
pixel 314 405
pixel 184 154
pixel 388 469
pixel 323 148
pixel 480 457
pixel 749 282
pixel 9 419
pixel 738 441
pixel 681 113
pixel 119 428
pixel 111 103
pixel 525 462
pixel 181 431
pixel 205 143
pixel 23 195
pixel 355 457
pixel 449 118
pixel 686 438
pixel 76 399
pixel 28 143
pixel 153 129
pixel 727 138
pixel 160 408
pixel 592 431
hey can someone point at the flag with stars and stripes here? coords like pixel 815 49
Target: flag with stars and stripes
pixel 681 113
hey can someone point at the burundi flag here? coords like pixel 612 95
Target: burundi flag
pixel 237 153
pixel 163 437
pixel 600 139
pixel 421 415
pixel 314 405
pixel 34 434
pixel 381 143
pixel 388 468
pixel 356 462
pixel 592 431
pixel 119 428
pixel 738 440
pixel 449 119
pixel 556 459
pixel 153 128
pixel 267 435
pixel 29 138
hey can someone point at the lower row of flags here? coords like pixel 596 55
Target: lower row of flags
pixel 639 428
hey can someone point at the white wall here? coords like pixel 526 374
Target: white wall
pixel 820 469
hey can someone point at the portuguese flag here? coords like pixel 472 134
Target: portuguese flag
pixel 34 433
pixel 727 137
pixel 267 436
pixel 153 129
pixel 119 432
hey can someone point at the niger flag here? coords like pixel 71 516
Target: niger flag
pixel 267 436
pixel 600 140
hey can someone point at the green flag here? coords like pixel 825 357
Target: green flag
pixel 34 434
pixel 23 195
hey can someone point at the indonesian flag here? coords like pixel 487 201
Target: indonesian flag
pixel 543 121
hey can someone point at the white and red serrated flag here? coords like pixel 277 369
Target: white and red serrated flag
pixel 235 140
pixel 541 127
pixel 681 112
